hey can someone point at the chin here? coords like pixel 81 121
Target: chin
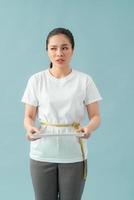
pixel 60 65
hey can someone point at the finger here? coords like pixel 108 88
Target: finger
pixel 36 130
pixel 32 139
pixel 79 130
pixel 29 137
pixel 85 136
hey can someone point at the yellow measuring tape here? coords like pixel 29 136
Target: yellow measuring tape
pixel 76 126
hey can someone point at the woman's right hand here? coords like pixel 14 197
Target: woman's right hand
pixel 30 131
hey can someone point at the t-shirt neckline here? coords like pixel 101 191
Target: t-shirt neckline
pixel 60 79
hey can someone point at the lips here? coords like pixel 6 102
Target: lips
pixel 60 60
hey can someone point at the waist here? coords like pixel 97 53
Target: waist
pixel 74 125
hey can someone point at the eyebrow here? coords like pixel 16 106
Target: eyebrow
pixel 61 45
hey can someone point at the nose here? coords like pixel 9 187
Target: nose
pixel 59 52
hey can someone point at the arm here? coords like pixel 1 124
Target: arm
pixel 29 119
pixel 94 116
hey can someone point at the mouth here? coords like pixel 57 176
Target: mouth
pixel 60 60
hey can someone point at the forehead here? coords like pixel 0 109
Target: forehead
pixel 58 40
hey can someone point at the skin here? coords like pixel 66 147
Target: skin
pixel 59 47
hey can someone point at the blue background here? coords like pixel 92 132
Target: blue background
pixel 104 37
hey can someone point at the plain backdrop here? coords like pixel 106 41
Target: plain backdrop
pixel 104 37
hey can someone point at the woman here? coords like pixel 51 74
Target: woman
pixel 59 97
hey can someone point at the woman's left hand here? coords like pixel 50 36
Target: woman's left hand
pixel 85 131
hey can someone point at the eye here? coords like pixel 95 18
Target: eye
pixel 53 48
pixel 65 48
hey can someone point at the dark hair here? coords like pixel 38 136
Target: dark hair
pixel 57 31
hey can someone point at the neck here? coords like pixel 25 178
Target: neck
pixel 60 72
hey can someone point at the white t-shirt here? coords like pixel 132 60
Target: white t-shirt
pixel 60 101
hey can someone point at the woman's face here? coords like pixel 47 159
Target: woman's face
pixel 60 50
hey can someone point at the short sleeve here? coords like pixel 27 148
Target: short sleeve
pixel 92 93
pixel 30 94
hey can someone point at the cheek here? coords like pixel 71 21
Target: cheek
pixel 50 55
pixel 69 54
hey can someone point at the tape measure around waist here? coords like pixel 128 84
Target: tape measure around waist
pixel 76 126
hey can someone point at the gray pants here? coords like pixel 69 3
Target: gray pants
pixel 57 181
